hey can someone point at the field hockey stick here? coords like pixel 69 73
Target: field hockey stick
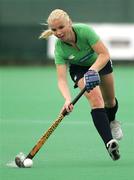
pixel 46 135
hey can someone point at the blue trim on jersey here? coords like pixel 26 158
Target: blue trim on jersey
pixel 86 57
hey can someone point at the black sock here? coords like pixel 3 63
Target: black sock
pixel 101 123
pixel 111 112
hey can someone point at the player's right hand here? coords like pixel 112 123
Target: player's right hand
pixel 68 106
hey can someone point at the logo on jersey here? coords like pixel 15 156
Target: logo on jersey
pixel 71 57
pixel 75 78
pixel 111 63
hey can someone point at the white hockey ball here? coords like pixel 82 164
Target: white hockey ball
pixel 28 163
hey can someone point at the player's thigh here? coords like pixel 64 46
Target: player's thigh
pixel 107 89
pixel 94 96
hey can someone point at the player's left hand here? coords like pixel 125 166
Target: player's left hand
pixel 68 107
pixel 91 79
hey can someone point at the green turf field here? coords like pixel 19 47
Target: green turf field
pixel 30 102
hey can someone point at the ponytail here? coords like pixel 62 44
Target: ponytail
pixel 45 34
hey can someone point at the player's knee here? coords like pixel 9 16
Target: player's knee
pixel 97 104
pixel 111 103
pixel 96 101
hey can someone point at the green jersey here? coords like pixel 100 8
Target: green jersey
pixel 84 55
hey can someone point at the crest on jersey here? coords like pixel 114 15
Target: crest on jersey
pixel 71 57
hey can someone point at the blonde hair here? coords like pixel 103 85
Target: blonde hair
pixel 55 14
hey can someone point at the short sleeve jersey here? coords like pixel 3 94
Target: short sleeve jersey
pixel 84 55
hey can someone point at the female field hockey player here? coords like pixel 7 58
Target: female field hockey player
pixel 80 48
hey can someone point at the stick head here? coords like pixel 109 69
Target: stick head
pixel 19 159
pixel 19 162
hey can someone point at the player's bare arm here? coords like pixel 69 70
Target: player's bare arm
pixel 103 56
pixel 63 86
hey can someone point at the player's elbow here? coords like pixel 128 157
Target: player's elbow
pixel 106 56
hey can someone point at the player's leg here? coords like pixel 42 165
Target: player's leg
pixel 100 119
pixel 111 104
